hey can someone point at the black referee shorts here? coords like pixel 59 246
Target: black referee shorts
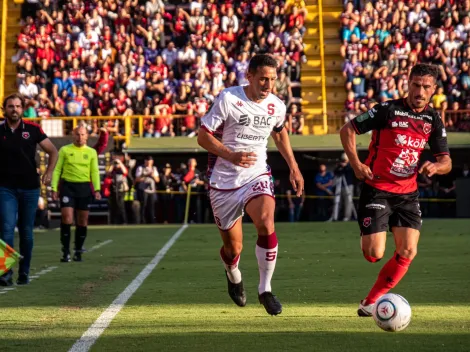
pixel 75 195
pixel 381 210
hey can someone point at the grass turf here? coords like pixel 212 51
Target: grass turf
pixel 183 304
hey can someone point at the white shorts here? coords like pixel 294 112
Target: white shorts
pixel 229 205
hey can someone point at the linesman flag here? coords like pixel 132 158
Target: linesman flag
pixel 8 257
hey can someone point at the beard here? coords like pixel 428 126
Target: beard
pixel 13 117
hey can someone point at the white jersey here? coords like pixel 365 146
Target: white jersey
pixel 241 125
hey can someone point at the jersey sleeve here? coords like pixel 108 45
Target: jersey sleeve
pixel 40 135
pixel 373 119
pixel 281 119
pixel 438 138
pixel 217 114
pixel 58 170
pixel 95 171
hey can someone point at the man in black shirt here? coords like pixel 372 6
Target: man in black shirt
pixel 19 180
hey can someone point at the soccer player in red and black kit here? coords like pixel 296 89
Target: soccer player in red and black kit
pixel 401 128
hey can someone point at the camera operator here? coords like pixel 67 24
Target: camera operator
pixel 146 178
pixel 344 187
pixel 117 172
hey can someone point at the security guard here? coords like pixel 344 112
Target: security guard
pixel 19 180
pixel 77 167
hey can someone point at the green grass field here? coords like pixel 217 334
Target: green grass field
pixel 183 305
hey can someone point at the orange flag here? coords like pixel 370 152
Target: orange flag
pixel 8 257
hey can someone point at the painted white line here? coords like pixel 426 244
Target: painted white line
pixel 3 292
pixel 99 326
pixel 9 289
pixel 34 277
pixel 99 245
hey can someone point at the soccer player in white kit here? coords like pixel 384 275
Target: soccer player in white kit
pixel 235 132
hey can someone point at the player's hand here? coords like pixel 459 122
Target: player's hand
pixel 47 178
pixel 243 159
pixel 97 195
pixel 363 172
pixel 428 168
pixel 297 181
pixel 55 196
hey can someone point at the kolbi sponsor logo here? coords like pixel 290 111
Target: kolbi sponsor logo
pixel 403 140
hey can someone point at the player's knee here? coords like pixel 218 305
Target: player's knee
pixel 265 224
pixel 373 255
pixel 234 251
pixel 407 252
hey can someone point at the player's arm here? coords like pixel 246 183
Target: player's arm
pixel 51 150
pixel 217 115
pixel 206 140
pixel 372 119
pixel 281 139
pixel 102 142
pixel 95 174
pixel 438 143
pixel 57 173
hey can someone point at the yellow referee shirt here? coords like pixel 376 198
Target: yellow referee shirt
pixel 77 164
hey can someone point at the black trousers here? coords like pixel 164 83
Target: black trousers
pixel 117 209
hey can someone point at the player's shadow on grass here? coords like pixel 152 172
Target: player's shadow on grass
pixel 255 341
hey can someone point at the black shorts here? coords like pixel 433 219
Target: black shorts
pixel 75 195
pixel 379 210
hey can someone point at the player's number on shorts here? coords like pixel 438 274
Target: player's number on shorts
pixel 270 256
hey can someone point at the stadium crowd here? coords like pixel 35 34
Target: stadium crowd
pixel 382 40
pixel 150 58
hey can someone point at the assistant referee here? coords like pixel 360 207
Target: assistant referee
pixel 76 167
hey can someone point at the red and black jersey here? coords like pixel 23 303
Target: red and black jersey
pixel 18 155
pixel 398 138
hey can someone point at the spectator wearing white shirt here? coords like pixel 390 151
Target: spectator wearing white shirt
pixel 88 38
pixel 134 84
pixel 451 43
pixel 28 89
pixel 230 19
pixel 463 28
pixel 170 54
pixel 186 57
pixel 154 6
pixel 418 16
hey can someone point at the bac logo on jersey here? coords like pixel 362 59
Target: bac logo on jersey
pixel 427 128
pixel 402 124
pixel 25 135
pixel 244 120
pixel 367 221
pixel 85 156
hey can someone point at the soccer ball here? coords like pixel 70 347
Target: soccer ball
pixel 392 312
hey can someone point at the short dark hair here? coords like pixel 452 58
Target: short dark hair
pixel 421 70
pixel 14 96
pixel 262 60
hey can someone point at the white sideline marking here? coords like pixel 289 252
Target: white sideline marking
pixel 99 245
pixel 99 326
pixel 42 272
